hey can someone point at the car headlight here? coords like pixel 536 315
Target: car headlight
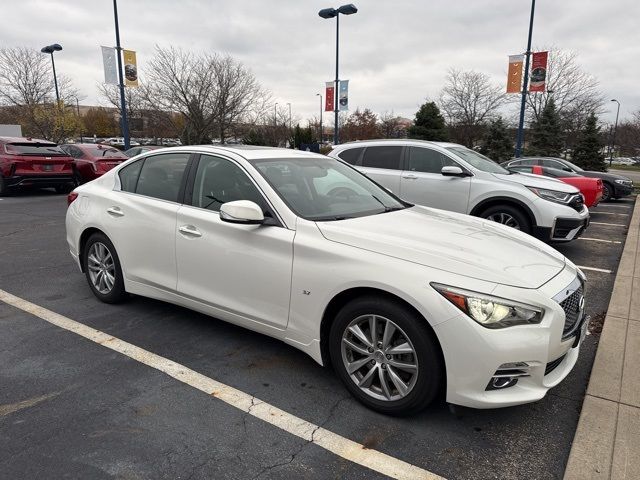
pixel 620 181
pixel 552 195
pixel 489 311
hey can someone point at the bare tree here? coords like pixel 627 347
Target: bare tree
pixel 469 101
pixel 27 89
pixel 391 126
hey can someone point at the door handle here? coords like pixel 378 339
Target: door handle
pixel 410 176
pixel 115 212
pixel 189 230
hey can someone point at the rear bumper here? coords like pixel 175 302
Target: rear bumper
pixel 39 180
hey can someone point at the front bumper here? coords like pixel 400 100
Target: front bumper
pixel 547 357
pixel 564 229
pixel 620 190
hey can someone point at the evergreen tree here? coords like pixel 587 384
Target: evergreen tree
pixel 546 133
pixel 588 151
pixel 497 144
pixel 429 124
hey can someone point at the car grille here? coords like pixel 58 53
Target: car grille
pixel 551 366
pixel 571 307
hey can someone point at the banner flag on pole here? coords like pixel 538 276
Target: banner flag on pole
pixel 538 72
pixel 344 95
pixel 109 64
pixel 329 97
pixel 130 68
pixel 514 77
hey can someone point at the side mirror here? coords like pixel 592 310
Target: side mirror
pixel 453 172
pixel 245 212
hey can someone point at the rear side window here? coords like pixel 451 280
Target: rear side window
pixel 129 176
pixel 161 176
pixel 382 157
pixel 427 160
pixel 351 155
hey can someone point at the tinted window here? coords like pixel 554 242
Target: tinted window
pixel 161 176
pixel 129 176
pixel 556 173
pixel 220 181
pixel 551 163
pixel 529 161
pixel 427 160
pixel 382 157
pixel 350 156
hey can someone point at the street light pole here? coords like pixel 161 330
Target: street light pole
pixel 320 95
pixel 326 13
pixel 56 47
pixel 124 124
pixel 525 85
pixel 613 138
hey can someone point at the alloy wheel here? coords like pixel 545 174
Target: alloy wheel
pixel 504 219
pixel 379 357
pixel 102 268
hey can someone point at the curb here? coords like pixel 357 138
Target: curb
pixel 607 441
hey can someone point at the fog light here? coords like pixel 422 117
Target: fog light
pixel 499 383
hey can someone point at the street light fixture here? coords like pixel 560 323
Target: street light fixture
pixel 327 13
pixel 320 95
pixel 613 139
pixel 56 47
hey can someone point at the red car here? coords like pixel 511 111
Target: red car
pixel 36 163
pixel 92 160
pixel 591 188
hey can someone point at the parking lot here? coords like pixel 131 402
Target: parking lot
pixel 71 408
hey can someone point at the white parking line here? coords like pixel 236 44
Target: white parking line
pixel 608 205
pixel 593 269
pixel 598 240
pixel 609 224
pixel 332 442
pixel 609 213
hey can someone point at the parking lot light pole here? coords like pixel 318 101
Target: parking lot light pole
pixel 327 13
pixel 124 124
pixel 56 47
pixel 525 84
pixel 320 95
pixel 613 137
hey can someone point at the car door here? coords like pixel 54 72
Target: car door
pixel 423 183
pixel 140 218
pixel 383 165
pixel 242 269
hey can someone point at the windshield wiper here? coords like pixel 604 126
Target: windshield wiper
pixel 386 208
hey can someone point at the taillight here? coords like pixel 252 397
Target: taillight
pixel 71 197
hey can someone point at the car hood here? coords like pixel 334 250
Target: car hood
pixel 536 181
pixel 452 242
pixel 604 175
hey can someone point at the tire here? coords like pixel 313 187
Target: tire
pixel 508 215
pixel 102 250
pixel 607 189
pixel 421 384
pixel 3 187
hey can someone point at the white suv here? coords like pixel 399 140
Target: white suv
pixel 452 177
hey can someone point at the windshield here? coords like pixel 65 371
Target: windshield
pixel 321 189
pixel 41 149
pixel 478 161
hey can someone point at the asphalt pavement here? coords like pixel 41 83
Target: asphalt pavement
pixel 70 408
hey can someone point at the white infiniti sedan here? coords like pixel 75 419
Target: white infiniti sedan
pixel 402 300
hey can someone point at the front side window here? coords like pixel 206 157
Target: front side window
pixel 552 163
pixel 220 181
pixel 322 189
pixel 161 176
pixel 382 157
pixel 427 160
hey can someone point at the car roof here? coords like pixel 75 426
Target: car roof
pixel 24 140
pixel 249 152
pixel 401 141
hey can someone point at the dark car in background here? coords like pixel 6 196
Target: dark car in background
pixel 133 151
pixel 613 186
pixel 91 160
pixel 30 162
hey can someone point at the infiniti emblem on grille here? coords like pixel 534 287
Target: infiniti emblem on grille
pixel 581 303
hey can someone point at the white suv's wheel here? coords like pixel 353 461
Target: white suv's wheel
pixel 509 216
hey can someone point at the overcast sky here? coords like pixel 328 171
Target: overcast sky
pixel 395 53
